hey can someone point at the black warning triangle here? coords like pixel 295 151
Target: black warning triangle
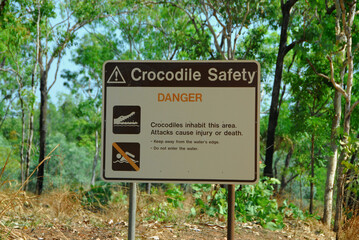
pixel 116 77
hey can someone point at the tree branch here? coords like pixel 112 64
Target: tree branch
pixel 336 85
pixel 2 6
pixel 57 70
pixel 240 30
pixel 291 46
pixel 351 109
pixel 6 112
pixel 329 9
pixel 215 15
pixel 331 78
pixel 191 17
pixel 281 97
pixel 315 71
pixel 290 179
pixel 212 31
pixel 10 70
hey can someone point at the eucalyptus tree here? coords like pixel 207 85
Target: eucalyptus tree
pixel 310 113
pixel 18 48
pixel 58 29
pixel 161 32
pixel 292 14
pixel 346 13
pixel 86 84
pixel 226 21
pixel 171 35
pixel 339 55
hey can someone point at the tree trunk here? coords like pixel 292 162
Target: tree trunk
pixel 312 176
pixel 332 164
pixel 274 108
pixel 6 112
pixel 340 193
pixel 95 160
pixel 284 182
pixel 343 158
pixel 31 117
pixel 347 21
pixel 29 146
pixel 301 192
pixel 350 182
pixel 22 160
pixel 30 137
pixel 43 113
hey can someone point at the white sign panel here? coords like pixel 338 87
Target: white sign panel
pixel 181 121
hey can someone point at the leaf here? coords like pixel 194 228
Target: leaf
pixel 193 212
pixel 271 226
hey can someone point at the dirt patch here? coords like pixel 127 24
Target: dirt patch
pixel 155 230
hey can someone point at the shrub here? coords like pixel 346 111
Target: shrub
pixel 96 197
pixel 252 203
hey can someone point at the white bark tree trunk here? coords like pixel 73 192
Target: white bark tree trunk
pixel 95 160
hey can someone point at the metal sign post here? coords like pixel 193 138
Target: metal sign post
pixel 231 220
pixel 132 212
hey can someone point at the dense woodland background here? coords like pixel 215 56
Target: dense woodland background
pixel 308 51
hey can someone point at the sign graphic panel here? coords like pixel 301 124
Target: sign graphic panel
pixel 126 119
pixel 125 156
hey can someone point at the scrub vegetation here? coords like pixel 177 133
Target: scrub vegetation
pixel 51 58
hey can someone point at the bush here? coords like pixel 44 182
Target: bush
pixel 175 196
pixel 255 203
pixel 11 171
pixel 97 197
pixel 70 164
pixel 252 203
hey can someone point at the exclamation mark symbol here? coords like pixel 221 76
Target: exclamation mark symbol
pixel 116 74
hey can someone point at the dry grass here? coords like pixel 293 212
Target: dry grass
pixel 22 212
pixel 61 215
pixel 351 229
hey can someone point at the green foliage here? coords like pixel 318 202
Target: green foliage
pixel 162 213
pixel 97 196
pixel 12 165
pixel 100 195
pixel 252 203
pixel 119 197
pixel 203 201
pixel 256 203
pixel 71 165
pixel 175 196
pixel 290 210
pixel 165 211
pixel 162 32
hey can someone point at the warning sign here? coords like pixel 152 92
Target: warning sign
pixel 116 77
pixel 126 119
pixel 125 156
pixel 191 121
